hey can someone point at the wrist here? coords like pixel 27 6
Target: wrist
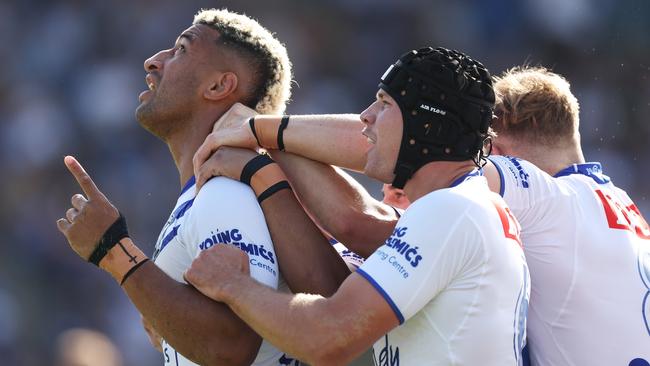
pixel 269 130
pixel 117 231
pixel 230 291
pixel 264 176
pixel 123 260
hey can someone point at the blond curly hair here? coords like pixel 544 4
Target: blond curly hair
pixel 256 44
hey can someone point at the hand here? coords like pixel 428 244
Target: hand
pixel 89 218
pixel 226 161
pixel 154 337
pixel 215 269
pixel 232 129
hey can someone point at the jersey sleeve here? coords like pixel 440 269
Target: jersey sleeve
pixel 430 245
pixel 227 212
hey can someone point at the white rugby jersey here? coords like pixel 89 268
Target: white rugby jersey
pixel 588 250
pixel 351 259
pixel 453 271
pixel 225 211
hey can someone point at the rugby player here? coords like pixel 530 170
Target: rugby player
pixel 223 58
pixel 586 243
pixel 450 284
pixel 585 240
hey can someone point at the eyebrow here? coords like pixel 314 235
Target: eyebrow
pixel 188 36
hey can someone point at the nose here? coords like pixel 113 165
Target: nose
pixel 155 62
pixel 368 116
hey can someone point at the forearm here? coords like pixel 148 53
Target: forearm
pixel 201 329
pixel 339 204
pixel 334 139
pixel 309 327
pixel 307 261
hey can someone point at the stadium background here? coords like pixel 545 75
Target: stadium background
pixel 72 70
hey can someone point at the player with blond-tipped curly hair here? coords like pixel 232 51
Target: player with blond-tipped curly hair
pixel 222 59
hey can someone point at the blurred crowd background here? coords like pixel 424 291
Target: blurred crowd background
pixel 71 72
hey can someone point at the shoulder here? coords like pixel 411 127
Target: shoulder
pixel 221 193
pixel 438 202
pixel 523 184
pixel 517 172
pixel 222 186
pixel 224 201
pixel 438 212
pixel 621 193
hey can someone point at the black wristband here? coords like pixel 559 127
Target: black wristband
pixel 112 236
pixel 272 189
pixel 255 164
pixel 283 125
pixel 132 270
pixel 251 124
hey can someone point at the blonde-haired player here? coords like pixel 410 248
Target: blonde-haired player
pixel 586 243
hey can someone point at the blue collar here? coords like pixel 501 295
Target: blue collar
pixel 474 173
pixel 187 185
pixel 592 170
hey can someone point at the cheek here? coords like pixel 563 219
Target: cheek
pixel 177 89
pixel 393 131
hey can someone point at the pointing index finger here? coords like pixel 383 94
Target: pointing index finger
pixel 84 180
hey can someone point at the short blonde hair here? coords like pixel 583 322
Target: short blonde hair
pixel 268 57
pixel 535 105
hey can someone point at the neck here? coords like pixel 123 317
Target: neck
pixel 436 175
pixel 184 142
pixel 553 160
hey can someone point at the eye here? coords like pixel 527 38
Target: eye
pixel 179 49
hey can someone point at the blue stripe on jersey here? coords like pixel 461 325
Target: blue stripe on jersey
pixel 502 188
pixel 592 170
pixel 638 267
pixel 645 316
pixel 474 173
pixel 383 293
pixel 171 235
pixel 182 209
pixel 525 356
pixel 187 185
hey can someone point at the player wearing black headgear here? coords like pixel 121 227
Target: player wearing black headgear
pixel 449 284
pixel 446 100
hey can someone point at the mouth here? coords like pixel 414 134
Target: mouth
pixel 149 79
pixel 151 85
pixel 371 140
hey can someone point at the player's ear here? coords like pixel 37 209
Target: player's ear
pixel 222 85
